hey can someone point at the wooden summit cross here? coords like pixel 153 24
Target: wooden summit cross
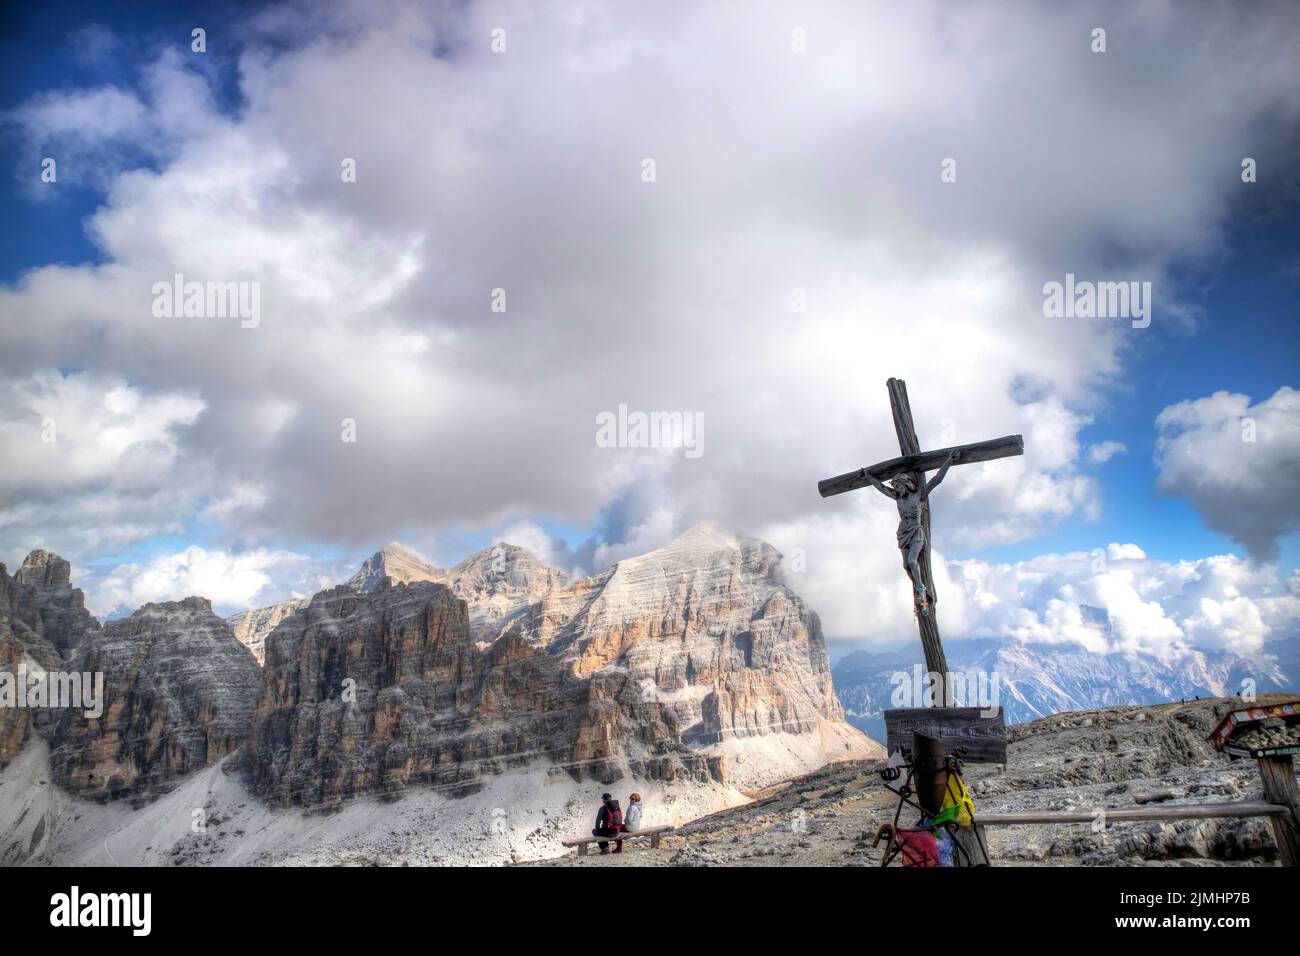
pixel 907 473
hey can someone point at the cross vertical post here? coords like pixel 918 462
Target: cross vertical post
pixel 928 624
pixel 911 492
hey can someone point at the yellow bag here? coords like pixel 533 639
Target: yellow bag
pixel 958 796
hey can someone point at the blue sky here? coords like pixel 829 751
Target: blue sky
pixel 1247 340
pixel 1233 265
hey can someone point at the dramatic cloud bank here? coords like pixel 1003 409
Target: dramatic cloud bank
pixel 795 248
pixel 1238 463
pixel 1157 607
pixel 229 581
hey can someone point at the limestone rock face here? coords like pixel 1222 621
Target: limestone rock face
pixel 179 694
pixel 499 585
pixel 706 622
pixel 20 613
pixel 42 617
pixel 42 596
pixel 369 693
pixel 20 649
pixel 392 564
pixel 692 659
pixel 42 569
pixel 251 628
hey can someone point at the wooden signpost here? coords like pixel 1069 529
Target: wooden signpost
pixel 981 739
pixel 1270 733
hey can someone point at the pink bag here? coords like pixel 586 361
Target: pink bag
pixel 918 848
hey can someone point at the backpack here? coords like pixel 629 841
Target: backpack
pixel 615 817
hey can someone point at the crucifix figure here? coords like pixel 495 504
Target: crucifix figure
pixel 911 536
pixel 908 487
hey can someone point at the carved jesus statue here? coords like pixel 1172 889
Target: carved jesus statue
pixel 911 535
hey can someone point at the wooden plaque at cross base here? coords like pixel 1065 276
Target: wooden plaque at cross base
pixel 983 737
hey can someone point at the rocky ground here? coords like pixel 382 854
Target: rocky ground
pixel 212 819
pixel 1083 760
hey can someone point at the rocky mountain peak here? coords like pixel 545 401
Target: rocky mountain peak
pixel 708 646
pixel 194 604
pixel 41 606
pixel 45 569
pixel 180 692
pixel 506 563
pixel 704 534
pixel 700 548
pixel 431 709
pixel 499 584
pixel 395 563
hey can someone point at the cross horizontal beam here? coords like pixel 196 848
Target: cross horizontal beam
pixel 1005 447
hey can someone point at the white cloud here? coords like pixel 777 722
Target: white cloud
pixel 69 433
pixel 242 497
pixel 533 538
pixel 1103 452
pixel 1110 599
pixel 1124 552
pixel 1238 463
pixel 229 580
pixel 777 171
pixel 1154 606
pixel 92 464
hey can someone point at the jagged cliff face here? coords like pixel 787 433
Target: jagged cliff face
pixel 20 649
pixel 179 694
pixel 499 585
pixel 392 564
pixel 41 595
pixel 370 693
pixel 706 623
pixel 178 689
pixel 42 618
pixel 665 664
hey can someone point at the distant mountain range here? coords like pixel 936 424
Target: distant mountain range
pixel 1037 680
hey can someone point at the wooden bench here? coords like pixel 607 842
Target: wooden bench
pixel 654 833
pixel 1185 811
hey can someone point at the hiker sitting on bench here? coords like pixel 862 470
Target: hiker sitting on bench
pixel 609 823
pixel 632 822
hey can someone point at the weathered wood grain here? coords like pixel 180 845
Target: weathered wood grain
pixel 1006 447
pixel 1278 774
pixel 985 738
pixel 654 833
